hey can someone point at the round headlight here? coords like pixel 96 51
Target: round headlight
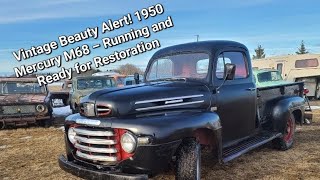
pixel 128 143
pixel 40 108
pixel 71 135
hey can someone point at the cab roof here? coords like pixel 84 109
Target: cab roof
pixel 201 46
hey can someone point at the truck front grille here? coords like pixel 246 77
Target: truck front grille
pixel 18 109
pixel 96 145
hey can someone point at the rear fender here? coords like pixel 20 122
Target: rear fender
pixel 287 108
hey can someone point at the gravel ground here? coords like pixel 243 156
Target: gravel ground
pixel 32 154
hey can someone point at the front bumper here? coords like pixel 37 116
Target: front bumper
pixel 86 173
pixel 22 119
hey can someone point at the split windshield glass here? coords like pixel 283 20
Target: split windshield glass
pixel 179 67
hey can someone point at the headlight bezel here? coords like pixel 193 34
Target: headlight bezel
pixel 71 135
pixel 88 109
pixel 41 108
pixel 124 145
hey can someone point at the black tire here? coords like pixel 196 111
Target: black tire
pixel 75 110
pixel 286 140
pixel 46 123
pixel 188 165
pixel 65 102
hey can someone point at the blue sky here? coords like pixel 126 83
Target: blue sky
pixel 278 25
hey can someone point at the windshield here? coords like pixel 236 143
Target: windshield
pixel 95 83
pixel 190 66
pixel 269 76
pixel 21 88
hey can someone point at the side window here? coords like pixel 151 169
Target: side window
pixel 236 58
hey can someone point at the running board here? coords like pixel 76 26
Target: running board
pixel 233 152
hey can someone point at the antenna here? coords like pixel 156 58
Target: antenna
pixel 197 37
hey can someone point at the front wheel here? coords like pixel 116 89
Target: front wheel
pixel 188 166
pixel 46 123
pixel 285 141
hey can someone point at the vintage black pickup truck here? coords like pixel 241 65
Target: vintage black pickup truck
pixel 196 94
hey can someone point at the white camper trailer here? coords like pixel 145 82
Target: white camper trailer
pixel 304 67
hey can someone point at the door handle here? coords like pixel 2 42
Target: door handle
pixel 251 89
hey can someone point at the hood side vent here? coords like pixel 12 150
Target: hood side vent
pixel 103 110
pixel 155 104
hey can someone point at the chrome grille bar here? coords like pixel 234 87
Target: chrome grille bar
pixel 94 149
pixel 97 157
pixel 95 141
pixel 86 132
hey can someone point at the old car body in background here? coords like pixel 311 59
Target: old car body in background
pixel 61 92
pixel 119 78
pixel 268 77
pixel 82 86
pixel 293 68
pixel 129 80
pixel 23 102
pixel 195 94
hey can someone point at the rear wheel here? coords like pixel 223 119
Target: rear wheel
pixel 188 166
pixel 285 141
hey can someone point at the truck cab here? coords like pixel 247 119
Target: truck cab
pixel 195 95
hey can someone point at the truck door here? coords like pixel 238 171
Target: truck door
pixel 236 99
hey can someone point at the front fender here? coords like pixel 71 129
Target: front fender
pixel 284 109
pixel 164 128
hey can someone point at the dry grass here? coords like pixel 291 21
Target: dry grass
pixel 32 154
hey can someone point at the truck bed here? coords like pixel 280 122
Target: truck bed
pixel 267 95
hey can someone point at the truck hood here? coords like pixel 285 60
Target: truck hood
pixel 14 99
pixel 85 91
pixel 152 97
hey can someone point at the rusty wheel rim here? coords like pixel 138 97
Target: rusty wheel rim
pixel 289 130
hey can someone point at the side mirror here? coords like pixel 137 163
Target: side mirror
pixel 136 78
pixel 230 71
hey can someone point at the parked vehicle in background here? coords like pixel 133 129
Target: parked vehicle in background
pixel 129 80
pixel 195 95
pixel 119 78
pixel 82 86
pixel 305 67
pixel 24 102
pixel 61 93
pixel 268 77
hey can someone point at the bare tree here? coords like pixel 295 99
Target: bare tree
pixel 128 69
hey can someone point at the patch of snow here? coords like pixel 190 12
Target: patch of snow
pixel 57 102
pixel 62 111
pixel 26 137
pixel 315 107
pixel 61 128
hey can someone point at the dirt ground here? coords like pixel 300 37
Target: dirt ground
pixel 32 154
